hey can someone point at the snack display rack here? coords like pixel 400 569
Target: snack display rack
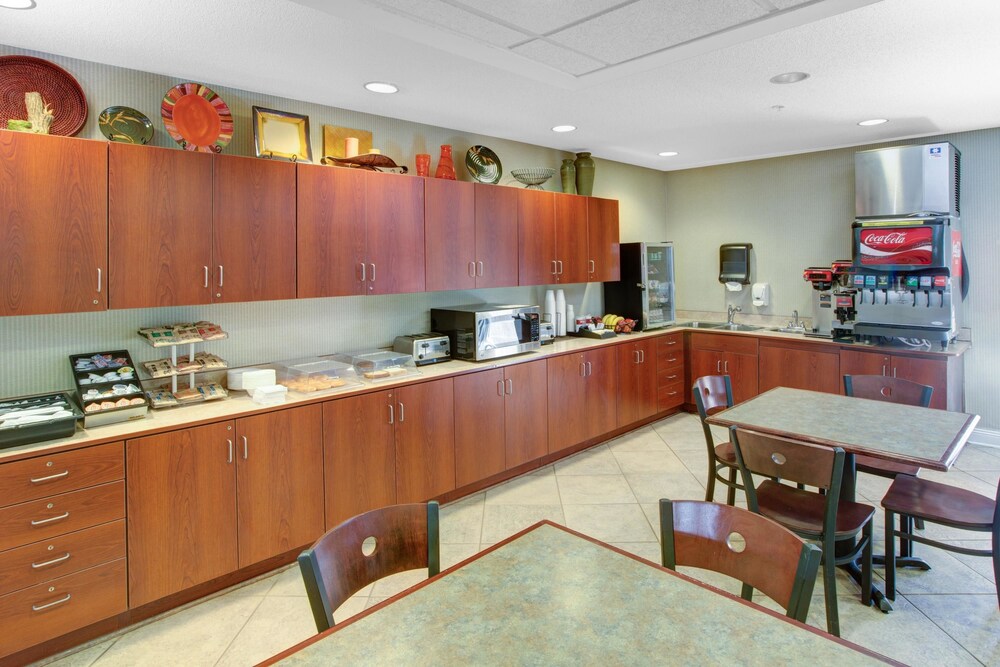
pixel 174 337
pixel 109 387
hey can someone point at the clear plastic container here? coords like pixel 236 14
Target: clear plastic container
pixel 380 365
pixel 314 374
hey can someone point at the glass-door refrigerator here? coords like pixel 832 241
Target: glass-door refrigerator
pixel 645 292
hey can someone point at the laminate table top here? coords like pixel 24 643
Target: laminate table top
pixel 552 596
pixel 902 433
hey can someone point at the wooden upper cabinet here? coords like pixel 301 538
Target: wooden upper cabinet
pixel 279 481
pixel 331 236
pixel 536 233
pixel 53 224
pixel 449 234
pixel 496 236
pixel 425 440
pixel 604 264
pixel 395 231
pixel 571 238
pixel 254 230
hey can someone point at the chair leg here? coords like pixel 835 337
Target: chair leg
pixel 830 592
pixel 866 564
pixel 890 556
pixel 996 562
pixel 710 487
pixel 731 489
pixel 746 592
pixel 905 526
pixel 918 524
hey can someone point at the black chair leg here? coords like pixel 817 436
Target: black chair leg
pixel 890 556
pixel 866 564
pixel 906 527
pixel 830 592
pixel 996 562
pixel 731 492
pixel 710 487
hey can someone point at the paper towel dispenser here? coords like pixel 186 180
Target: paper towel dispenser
pixel 734 263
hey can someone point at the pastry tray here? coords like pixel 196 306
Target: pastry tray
pixel 380 365
pixel 50 429
pixel 109 387
pixel 315 375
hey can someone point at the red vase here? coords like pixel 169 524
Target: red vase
pixel 446 167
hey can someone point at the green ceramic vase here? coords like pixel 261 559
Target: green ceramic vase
pixel 585 168
pixel 568 174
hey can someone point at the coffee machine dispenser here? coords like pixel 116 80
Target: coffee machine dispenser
pixel 833 300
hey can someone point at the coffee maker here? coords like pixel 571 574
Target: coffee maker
pixel 833 300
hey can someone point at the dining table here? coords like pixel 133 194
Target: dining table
pixel 552 596
pixel 924 437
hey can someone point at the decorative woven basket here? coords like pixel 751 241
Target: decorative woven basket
pixel 24 74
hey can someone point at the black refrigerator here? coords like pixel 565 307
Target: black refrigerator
pixel 645 292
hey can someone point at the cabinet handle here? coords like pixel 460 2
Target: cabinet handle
pixel 480 271
pixel 221 274
pixel 718 366
pixel 671 360
pixel 671 393
pixel 583 369
pixel 635 356
pixel 883 370
pixel 39 607
pixel 392 414
pixel 593 266
pixel 472 269
pixel 671 342
pixel 590 369
pixel 373 272
pixel 510 387
pixel 672 377
pixel 402 413
pixel 363 272
pixel 38 566
pixel 244 448
pixel 893 371
pixel 206 277
pixel 499 387
pixel 726 368
pixel 230 458
pixel 39 480
pixel 42 522
pixel 99 276
pixel 560 267
pixel 554 267
pixel 642 356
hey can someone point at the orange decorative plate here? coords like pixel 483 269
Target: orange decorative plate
pixel 197 118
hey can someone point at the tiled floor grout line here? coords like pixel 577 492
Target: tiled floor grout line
pixel 110 646
pixel 947 634
pixel 242 627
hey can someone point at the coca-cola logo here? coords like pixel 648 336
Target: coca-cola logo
pixel 898 246
pixel 892 238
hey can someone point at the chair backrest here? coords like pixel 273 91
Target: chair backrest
pixel 743 545
pixel 406 537
pixel 712 393
pixel 791 460
pixel 890 389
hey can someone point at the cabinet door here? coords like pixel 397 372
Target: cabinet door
pixel 571 238
pixel 279 482
pixel 181 510
pixel 742 372
pixel 496 236
pixel 933 372
pixel 425 440
pixel 479 426
pixel 526 412
pixel 567 387
pixel 602 240
pixel 853 362
pixel 395 231
pixel 253 229
pixel 799 368
pixel 600 411
pixel 637 381
pixel 536 234
pixel 159 226
pixel 359 455
pixel 449 234
pixel 53 224
pixel 330 237
pixel 705 362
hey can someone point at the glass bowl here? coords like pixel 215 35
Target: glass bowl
pixel 533 177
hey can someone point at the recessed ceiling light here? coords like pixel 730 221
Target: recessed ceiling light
pixel 667 153
pixel 789 77
pixel 873 121
pixel 18 4
pixel 381 87
pixel 564 128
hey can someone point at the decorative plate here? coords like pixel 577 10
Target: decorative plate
pixel 24 74
pixel 483 164
pixel 197 118
pixel 126 125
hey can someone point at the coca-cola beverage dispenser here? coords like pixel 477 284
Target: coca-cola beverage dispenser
pixel 908 266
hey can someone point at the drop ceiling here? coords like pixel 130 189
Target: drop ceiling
pixel 636 77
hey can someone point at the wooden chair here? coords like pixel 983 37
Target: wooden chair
pixel 946 505
pixel 819 516
pixel 713 393
pixel 340 564
pixel 746 546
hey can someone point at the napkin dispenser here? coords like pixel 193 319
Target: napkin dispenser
pixel 734 264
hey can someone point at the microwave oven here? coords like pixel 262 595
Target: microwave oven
pixel 488 330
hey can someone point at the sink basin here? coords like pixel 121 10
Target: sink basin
pixel 701 325
pixel 798 330
pixel 736 327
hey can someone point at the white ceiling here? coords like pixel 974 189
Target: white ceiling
pixel 635 76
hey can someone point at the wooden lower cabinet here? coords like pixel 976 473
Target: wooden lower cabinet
pixel 526 413
pixel 637 381
pixel 425 440
pixel 721 354
pixel 670 390
pixel 799 366
pixel 583 391
pixel 934 372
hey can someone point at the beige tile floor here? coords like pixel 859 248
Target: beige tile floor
pixel 947 616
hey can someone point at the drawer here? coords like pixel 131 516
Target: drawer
pixel 670 396
pixel 43 476
pixel 44 519
pixel 724 343
pixel 48 559
pixel 673 341
pixel 43 612
pixel 669 356
pixel 670 376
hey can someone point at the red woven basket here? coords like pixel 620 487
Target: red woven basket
pixel 24 74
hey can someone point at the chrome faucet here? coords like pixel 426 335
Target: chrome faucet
pixel 732 313
pixel 795 324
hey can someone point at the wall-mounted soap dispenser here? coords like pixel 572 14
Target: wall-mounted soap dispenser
pixel 761 294
pixel 734 265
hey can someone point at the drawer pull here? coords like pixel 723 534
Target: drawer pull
pixel 672 377
pixel 42 522
pixel 671 342
pixel 671 393
pixel 39 607
pixel 49 478
pixel 38 566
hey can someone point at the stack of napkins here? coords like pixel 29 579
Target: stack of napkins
pixel 269 394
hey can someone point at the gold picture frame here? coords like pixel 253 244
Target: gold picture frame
pixel 280 134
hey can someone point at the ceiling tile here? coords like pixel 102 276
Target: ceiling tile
pixel 649 26
pixel 558 57
pixel 541 17
pixel 452 18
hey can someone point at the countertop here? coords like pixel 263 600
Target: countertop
pixel 240 405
